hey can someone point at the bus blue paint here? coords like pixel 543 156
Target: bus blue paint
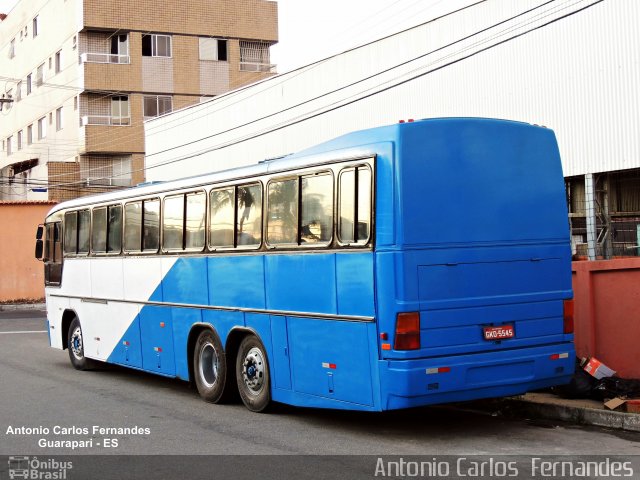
pixel 469 231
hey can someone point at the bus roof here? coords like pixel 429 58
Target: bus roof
pixel 357 144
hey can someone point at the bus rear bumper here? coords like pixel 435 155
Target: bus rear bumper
pixel 412 383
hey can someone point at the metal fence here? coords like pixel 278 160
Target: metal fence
pixel 604 215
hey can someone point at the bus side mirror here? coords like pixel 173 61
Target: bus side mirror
pixel 39 242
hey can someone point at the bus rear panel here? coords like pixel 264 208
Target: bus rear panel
pixel 472 292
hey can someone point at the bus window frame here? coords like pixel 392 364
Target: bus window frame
pixel 142 201
pixel 235 216
pixel 372 184
pixel 184 193
pixel 107 253
pixel 77 253
pixel 282 246
pixel 330 242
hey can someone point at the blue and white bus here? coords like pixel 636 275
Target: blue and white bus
pixel 412 264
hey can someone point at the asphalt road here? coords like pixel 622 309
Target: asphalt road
pixel 39 388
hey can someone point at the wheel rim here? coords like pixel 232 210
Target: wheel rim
pixel 253 368
pixel 75 343
pixel 209 364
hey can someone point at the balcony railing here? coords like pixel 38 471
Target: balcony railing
pixel 105 120
pixel 257 67
pixel 104 58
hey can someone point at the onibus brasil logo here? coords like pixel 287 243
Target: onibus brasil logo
pixel 33 468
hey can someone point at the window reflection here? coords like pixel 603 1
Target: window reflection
pixel 317 209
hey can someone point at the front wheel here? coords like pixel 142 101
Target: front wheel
pixel 252 373
pixel 75 345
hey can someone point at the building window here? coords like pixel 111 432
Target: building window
pixel 156 45
pixel 213 49
pixel 42 128
pixel 120 49
pixel 58 61
pixel 29 84
pixel 75 103
pixel 19 91
pixel 254 56
pixel 12 48
pixel 29 134
pixel 34 28
pixel 40 75
pixel 154 106
pixel 120 110
pixel 75 42
pixel 20 140
pixel 9 152
pixel 59 123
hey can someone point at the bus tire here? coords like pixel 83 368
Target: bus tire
pixel 210 367
pixel 75 345
pixel 252 374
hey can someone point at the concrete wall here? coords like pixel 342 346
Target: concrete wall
pixel 21 275
pixel 607 313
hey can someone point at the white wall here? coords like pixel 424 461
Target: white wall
pixel 579 76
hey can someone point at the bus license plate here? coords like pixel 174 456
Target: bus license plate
pixel 498 333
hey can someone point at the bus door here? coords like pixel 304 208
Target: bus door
pixel 52 255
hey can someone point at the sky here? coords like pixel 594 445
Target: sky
pixel 311 30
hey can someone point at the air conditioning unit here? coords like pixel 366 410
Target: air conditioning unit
pixel 101 181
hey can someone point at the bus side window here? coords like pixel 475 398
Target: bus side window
pixel 84 228
pixel 71 233
pixel 133 227
pixel 316 214
pixel 249 217
pixel 173 222
pixel 221 215
pixel 151 232
pixel 99 230
pixel 282 215
pixel 194 226
pixel 114 229
pixel 354 206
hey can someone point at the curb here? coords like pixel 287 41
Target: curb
pixel 520 406
pixel 10 307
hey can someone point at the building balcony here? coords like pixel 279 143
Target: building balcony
pixel 104 58
pixel 105 120
pixel 257 67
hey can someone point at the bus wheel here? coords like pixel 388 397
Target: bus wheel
pixel 75 345
pixel 252 373
pixel 210 367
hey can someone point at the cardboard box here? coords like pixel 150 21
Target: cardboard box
pixel 597 369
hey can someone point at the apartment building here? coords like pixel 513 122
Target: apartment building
pixel 78 78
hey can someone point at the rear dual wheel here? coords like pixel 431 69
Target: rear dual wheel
pixel 214 379
pixel 210 368
pixel 252 374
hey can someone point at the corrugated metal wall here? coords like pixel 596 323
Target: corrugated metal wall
pixel 579 75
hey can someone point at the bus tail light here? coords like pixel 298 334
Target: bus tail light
pixel 407 331
pixel 568 316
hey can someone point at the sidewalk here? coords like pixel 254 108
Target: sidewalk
pixel 7 307
pixel 547 406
